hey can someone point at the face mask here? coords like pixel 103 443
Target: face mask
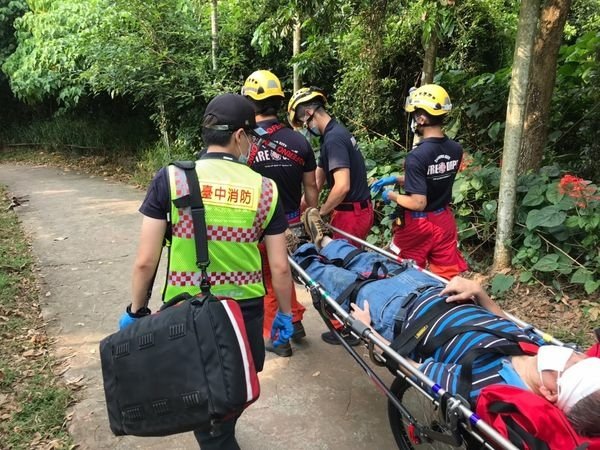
pixel 552 357
pixel 304 132
pixel 243 158
pixel 314 131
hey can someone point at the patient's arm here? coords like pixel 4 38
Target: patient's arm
pixel 364 315
pixel 461 290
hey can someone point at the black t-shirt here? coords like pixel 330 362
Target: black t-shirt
pixel 286 173
pixel 340 150
pixel 157 203
pixel 430 169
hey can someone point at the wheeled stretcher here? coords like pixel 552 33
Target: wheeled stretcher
pixel 421 413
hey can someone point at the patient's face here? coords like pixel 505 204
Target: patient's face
pixel 550 377
pixel 575 358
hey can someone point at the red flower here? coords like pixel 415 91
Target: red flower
pixel 577 188
pixel 466 162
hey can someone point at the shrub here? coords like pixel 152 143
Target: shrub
pixel 557 222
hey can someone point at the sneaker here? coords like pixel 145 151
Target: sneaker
pixel 292 241
pixel 332 339
pixel 299 331
pixel 283 350
pixel 315 227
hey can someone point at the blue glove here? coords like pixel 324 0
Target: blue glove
pixel 282 328
pixel 128 317
pixel 126 320
pixel 385 196
pixel 377 186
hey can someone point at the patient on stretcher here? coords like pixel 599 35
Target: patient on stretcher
pixel 454 333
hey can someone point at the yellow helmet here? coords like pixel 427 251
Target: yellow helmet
pixel 432 98
pixel 262 84
pixel 303 95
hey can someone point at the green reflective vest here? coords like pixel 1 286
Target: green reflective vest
pixel 239 203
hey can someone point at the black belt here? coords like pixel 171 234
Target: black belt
pixel 350 205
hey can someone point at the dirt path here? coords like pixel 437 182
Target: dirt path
pixel 84 231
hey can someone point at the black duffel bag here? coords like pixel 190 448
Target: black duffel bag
pixel 186 367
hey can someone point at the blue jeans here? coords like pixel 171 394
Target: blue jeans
pixel 386 296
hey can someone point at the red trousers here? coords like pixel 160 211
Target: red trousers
pixel 357 222
pixel 271 305
pixel 430 238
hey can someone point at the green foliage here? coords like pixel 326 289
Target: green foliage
pixel 9 11
pixel 574 137
pixel 558 222
pixel 478 117
pixel 584 17
pixel 500 284
pixel 559 219
pixel 484 37
pixel 157 156
pixel 475 194
pixel 52 53
pixel 155 53
pixel 378 65
pixel 155 56
pixel 78 130
pixel 383 157
pixel 320 23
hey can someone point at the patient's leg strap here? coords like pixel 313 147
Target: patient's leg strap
pixel 405 306
pixel 350 256
pixel 351 292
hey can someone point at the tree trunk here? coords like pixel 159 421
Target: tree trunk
pixel 541 83
pixel 163 125
pixel 429 60
pixel 515 115
pixel 296 51
pixel 214 28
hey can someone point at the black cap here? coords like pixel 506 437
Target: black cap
pixel 230 112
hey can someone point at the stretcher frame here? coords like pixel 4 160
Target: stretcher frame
pixel 455 412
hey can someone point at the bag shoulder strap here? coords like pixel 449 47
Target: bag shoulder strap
pixel 276 146
pixel 194 201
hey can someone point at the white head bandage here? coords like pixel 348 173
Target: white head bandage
pixel 577 382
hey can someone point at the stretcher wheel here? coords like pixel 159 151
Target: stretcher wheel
pixel 423 410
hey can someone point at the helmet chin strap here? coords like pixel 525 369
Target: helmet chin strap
pixel 309 119
pixel 418 127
